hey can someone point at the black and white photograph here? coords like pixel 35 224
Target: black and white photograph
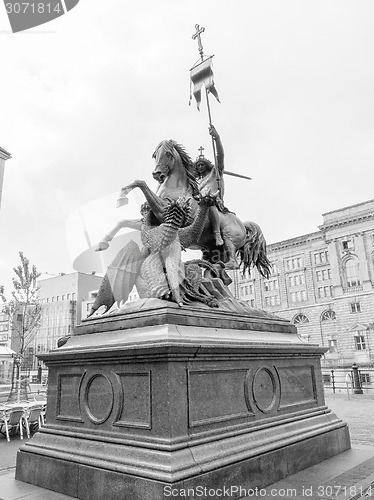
pixel 187 249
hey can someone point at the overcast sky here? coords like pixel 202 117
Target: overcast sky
pixel 85 99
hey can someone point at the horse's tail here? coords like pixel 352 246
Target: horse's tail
pixel 253 251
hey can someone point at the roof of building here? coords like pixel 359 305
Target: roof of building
pixel 298 240
pixel 348 215
pixel 6 351
pixel 73 273
pixel 339 217
pixel 361 204
pixel 4 154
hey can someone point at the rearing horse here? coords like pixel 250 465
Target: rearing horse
pixel 175 173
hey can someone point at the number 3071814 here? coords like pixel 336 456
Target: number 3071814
pixel 32 8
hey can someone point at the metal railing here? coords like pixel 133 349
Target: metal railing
pixel 354 379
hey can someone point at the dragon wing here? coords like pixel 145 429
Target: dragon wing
pixel 120 277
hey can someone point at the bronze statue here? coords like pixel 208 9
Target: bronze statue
pixel 180 217
pixel 175 172
pixel 210 177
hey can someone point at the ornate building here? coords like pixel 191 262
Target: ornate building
pixel 323 282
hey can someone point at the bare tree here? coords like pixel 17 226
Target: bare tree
pixel 24 310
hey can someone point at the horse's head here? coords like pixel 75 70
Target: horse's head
pixel 171 159
pixel 165 156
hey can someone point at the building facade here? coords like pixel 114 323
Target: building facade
pixel 4 155
pixel 61 299
pixel 323 282
pixel 6 353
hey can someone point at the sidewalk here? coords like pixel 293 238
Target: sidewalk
pixel 347 476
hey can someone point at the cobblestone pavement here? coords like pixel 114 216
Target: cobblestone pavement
pixel 8 451
pixel 358 412
pixel 344 477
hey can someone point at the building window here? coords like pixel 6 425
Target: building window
pixel 333 345
pixel 294 263
pixel 347 244
pixel 326 378
pixel 323 274
pixel 324 291
pixel 270 285
pixel 298 296
pixel 296 280
pixel 328 315
pixel 365 378
pixel 274 268
pixel 272 300
pixel 360 342
pixel 355 307
pixel 321 257
pixel 251 302
pixel 300 319
pixel 245 290
pixel 352 272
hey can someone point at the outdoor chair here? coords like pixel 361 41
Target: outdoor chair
pixel 11 419
pixel 40 397
pixel 33 418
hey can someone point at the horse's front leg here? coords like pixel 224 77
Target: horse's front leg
pixel 156 203
pixel 132 224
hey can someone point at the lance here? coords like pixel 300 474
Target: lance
pixel 197 35
pixel 237 175
pixel 201 149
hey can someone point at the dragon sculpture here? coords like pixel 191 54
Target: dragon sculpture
pixel 157 270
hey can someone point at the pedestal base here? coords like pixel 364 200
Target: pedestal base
pixel 177 403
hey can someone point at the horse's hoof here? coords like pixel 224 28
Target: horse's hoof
pixel 103 245
pixel 122 200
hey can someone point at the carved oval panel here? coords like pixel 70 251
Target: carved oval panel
pixel 264 389
pixel 99 398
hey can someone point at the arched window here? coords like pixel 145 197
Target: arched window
pixel 328 315
pixel 300 319
pixel 352 272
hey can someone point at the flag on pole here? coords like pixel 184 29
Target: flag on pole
pixel 202 74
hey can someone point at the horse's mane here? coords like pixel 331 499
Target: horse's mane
pixel 173 147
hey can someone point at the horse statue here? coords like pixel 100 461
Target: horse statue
pixel 174 172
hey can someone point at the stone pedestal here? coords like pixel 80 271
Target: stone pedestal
pixel 151 403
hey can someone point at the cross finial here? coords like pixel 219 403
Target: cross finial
pixel 201 149
pixel 197 35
